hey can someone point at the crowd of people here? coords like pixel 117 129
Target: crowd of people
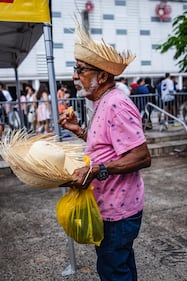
pixel 35 107
pixel 161 93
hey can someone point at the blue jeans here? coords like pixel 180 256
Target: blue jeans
pixel 115 255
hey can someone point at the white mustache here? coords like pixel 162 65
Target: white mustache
pixel 82 92
pixel 78 83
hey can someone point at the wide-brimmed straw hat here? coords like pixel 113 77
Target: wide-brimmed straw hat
pixel 100 54
pixel 41 161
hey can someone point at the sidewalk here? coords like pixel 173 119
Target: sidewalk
pixel 34 247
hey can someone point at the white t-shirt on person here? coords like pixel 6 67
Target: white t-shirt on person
pixel 167 90
pixel 8 97
pixel 123 87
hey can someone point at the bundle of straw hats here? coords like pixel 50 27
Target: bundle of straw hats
pixel 40 161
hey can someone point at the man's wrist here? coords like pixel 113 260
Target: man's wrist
pixel 100 172
pixel 81 133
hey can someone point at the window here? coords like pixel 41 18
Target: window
pixel 96 31
pixel 70 63
pixel 113 45
pixel 120 3
pixel 56 14
pixel 145 62
pixel 108 17
pixel 145 32
pixel 58 45
pixel 121 31
pixel 69 30
pixel 157 19
pixel 154 46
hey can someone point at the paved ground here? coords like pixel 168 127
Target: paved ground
pixel 34 247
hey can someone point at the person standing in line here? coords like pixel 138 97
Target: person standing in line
pixel 142 99
pixel 60 97
pixel 159 98
pixel 133 88
pixel 43 110
pixel 121 84
pixel 141 89
pixel 117 147
pixel 8 98
pixel 31 107
pixel 23 101
pixel 168 98
pixel 151 99
pixel 176 105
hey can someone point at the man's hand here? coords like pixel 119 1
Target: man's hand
pixel 68 122
pixel 82 177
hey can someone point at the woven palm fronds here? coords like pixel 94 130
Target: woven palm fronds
pixel 40 160
pixel 100 54
pixel 73 150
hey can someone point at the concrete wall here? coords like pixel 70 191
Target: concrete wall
pixel 130 24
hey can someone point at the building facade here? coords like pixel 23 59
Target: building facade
pixel 137 25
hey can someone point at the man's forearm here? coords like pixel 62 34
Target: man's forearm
pixel 134 160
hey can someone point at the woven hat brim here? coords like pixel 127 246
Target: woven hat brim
pixel 36 172
pixel 100 54
pixel 99 62
pixel 34 180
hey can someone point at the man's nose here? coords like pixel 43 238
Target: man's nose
pixel 75 76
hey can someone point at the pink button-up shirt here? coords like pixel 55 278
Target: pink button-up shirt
pixel 115 129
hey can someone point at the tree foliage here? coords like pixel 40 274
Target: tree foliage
pixel 178 40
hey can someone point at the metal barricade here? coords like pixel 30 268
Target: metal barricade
pixel 13 118
pixel 79 106
pixel 180 100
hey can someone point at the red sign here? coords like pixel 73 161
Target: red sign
pixel 163 11
pixel 7 1
pixel 89 6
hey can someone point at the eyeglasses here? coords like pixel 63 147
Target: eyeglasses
pixel 79 69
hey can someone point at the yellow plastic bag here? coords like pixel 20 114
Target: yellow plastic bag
pixel 77 212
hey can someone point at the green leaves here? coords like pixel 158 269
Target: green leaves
pixel 178 41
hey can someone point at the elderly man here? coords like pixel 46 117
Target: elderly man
pixel 117 148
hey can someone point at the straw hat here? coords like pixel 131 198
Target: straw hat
pixel 40 161
pixel 100 54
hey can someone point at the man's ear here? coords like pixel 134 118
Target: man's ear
pixel 102 77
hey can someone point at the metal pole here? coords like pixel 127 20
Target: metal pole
pixel 54 101
pixel 51 75
pixel 71 268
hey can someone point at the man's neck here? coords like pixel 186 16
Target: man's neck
pixel 101 91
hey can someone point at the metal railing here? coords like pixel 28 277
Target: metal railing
pixel 149 104
pixel 16 119
pixel 143 103
pixel 152 102
pixel 142 100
